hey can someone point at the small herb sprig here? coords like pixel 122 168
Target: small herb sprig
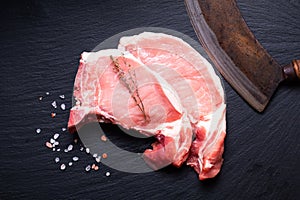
pixel 129 81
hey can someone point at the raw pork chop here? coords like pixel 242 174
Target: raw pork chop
pixel 102 96
pixel 180 93
pixel 198 88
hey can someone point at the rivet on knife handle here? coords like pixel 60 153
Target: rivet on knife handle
pixel 292 70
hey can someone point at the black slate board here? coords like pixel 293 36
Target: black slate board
pixel 41 44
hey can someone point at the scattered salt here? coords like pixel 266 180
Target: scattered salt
pixel 104 155
pixel 52 142
pixel 54 104
pixel 63 167
pixel 75 158
pixel 98 159
pixel 49 145
pixel 63 106
pixel 53 115
pixel 57 159
pixel 70 147
pixel 56 135
pixel 88 168
pixel 103 138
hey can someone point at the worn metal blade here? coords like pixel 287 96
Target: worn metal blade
pixel 231 45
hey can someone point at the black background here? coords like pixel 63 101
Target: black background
pixel 41 43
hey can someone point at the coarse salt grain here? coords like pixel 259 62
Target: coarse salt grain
pixel 63 129
pixel 55 136
pixel 63 106
pixel 62 96
pixel 66 151
pixel 81 148
pixel 98 159
pixel 47 93
pixel 88 168
pixel 40 98
pixel 38 130
pixel 95 155
pixel 107 173
pixel 70 163
pixel 70 147
pixel 57 159
pixel 87 150
pixel 49 145
pixel 56 143
pixel 104 155
pixel 103 138
pixel 57 149
pixel 96 168
pixel 75 158
pixel 52 141
pixel 54 104
pixel 62 166
pixel 53 149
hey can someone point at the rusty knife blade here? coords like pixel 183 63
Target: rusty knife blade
pixel 234 50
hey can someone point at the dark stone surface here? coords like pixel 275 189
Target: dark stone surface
pixel 41 44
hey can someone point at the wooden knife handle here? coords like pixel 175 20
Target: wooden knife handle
pixel 292 70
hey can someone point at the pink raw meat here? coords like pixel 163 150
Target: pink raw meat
pixel 180 92
pixel 198 88
pixel 101 96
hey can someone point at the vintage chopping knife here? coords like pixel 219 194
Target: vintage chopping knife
pixel 238 56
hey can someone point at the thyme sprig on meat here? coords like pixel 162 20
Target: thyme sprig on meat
pixel 129 81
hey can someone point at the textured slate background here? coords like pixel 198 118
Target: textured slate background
pixel 40 47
